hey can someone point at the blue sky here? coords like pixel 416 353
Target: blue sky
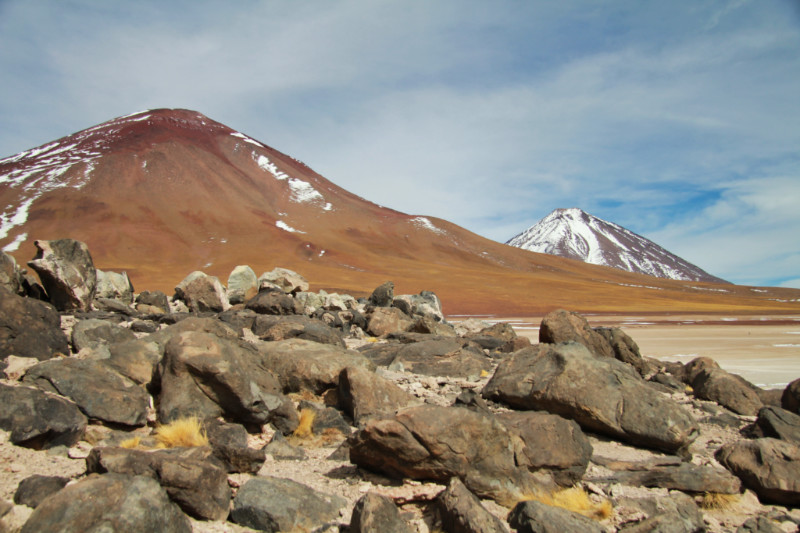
pixel 678 120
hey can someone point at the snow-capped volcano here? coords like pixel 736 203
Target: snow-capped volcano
pixel 576 234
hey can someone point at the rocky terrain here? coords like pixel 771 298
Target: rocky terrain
pixel 259 405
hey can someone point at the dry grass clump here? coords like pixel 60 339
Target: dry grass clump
pixel 304 428
pixel 183 432
pixel 715 501
pixel 131 443
pixel 573 499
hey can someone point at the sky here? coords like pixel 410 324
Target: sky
pixel 678 120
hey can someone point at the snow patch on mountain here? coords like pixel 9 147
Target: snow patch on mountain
pixel 425 223
pixel 576 234
pixel 286 227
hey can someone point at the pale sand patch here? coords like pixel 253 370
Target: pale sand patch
pixel 763 349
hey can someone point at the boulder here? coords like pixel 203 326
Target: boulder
pixel 239 319
pixel 202 293
pixel 568 326
pixel 685 477
pixel 779 424
pixel 790 400
pixel 155 302
pixel 436 443
pixel 603 395
pixel 93 333
pixel 383 295
pixel 759 524
pixel 34 489
pixel 10 277
pixel 39 420
pixel 383 321
pixel 118 502
pixel 363 394
pixel 442 357
pixel 114 286
pixel 229 443
pixel 676 513
pixel 208 376
pixel 273 504
pixel 198 324
pixel 769 467
pixel 99 391
pixel 375 513
pixel 290 282
pixel 280 449
pixel 30 328
pixel 279 328
pixel 326 419
pixel 67 272
pixel 136 359
pixel 536 517
pixel 624 348
pixel 462 512
pixel 499 337
pixel 424 304
pixel 426 324
pixel 274 303
pixel 551 443
pixel 242 284
pixel 15 367
pixel 728 390
pixel 306 365
pixel 197 485
pixel 695 366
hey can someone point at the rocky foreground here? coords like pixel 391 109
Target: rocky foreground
pixel 320 412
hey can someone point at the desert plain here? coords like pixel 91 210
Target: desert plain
pixel 762 348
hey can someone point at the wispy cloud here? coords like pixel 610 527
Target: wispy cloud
pixel 677 120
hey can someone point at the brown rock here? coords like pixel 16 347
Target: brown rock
pixel 769 467
pixel 568 326
pixel 385 320
pixel 364 394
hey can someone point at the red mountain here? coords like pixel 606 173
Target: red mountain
pixel 162 193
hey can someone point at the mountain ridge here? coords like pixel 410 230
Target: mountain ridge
pixel 164 192
pixel 576 234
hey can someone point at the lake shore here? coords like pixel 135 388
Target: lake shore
pixel 764 349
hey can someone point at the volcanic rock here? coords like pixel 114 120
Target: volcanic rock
pixel 67 272
pixel 119 502
pixel 375 513
pixel 462 512
pixel 289 281
pixel 686 477
pixel 384 321
pixel 602 395
pixel 769 467
pixel 274 504
pixel 676 513
pixel 93 333
pixel 229 444
pixel 10 276
pixel 778 423
pixel 34 489
pixel 39 420
pixel 568 326
pixel 202 293
pixel 383 295
pixel 279 328
pixel 152 301
pixel 135 359
pixel 364 394
pixel 728 390
pixel 114 286
pixel 536 517
pixel 30 328
pixel 437 443
pixel 242 284
pixel 791 397
pixel 424 304
pixel 275 303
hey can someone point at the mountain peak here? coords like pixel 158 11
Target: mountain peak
pixel 576 234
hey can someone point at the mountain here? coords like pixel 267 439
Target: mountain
pixel 164 192
pixel 575 234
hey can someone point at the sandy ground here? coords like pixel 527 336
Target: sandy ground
pixel 763 349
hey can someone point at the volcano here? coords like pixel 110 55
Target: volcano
pixel 576 234
pixel 162 193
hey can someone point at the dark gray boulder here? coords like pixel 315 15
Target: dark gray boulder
pixel 568 326
pixel 624 348
pixel 67 272
pixel 202 293
pixel 279 328
pixel 726 389
pixel 363 394
pixel 109 502
pixel 685 477
pixel 601 394
pixel 383 295
pixel 437 443
pixel 274 303
pixel 30 328
pixel 759 524
pixel 769 467
pixel 674 514
pixel 536 517
pixel 442 357
pixel 99 391
pixel 207 376
pixel 34 489
pixel 195 483
pixel 273 504
pixel 229 443
pixel 136 359
pixel 152 302
pixel 93 333
pixel 375 513
pixel 790 400
pixel 462 512
pixel 383 321
pixel 306 365
pixel 39 420
pixel 552 444
pixel 778 423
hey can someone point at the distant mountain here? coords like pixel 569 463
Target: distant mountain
pixel 575 234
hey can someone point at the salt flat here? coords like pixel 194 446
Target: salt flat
pixel 765 349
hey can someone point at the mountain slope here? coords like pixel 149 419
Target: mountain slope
pixel 164 192
pixel 576 234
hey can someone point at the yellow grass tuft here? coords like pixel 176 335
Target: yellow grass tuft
pixel 484 373
pixel 179 433
pixel 715 501
pixel 304 430
pixel 131 443
pixel 573 499
pixel 688 389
